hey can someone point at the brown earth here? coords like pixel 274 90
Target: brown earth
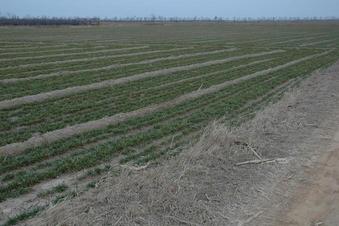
pixel 317 202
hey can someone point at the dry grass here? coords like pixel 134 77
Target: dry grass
pixel 201 186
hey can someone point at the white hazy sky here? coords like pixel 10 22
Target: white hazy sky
pixel 168 8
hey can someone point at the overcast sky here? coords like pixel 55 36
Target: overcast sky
pixel 168 8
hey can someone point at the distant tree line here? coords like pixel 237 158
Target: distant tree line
pixel 40 21
pixel 33 21
pixel 161 19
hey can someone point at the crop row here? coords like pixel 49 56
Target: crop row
pixel 101 63
pixel 97 63
pixel 104 152
pixel 61 62
pixel 185 109
pixel 279 78
pixel 297 43
pixel 106 54
pixel 115 127
pixel 55 47
pixel 150 58
pixel 17 63
pixel 155 107
pixel 44 118
pixel 38 60
pixel 140 85
pixel 40 117
pixel 63 57
pixel 61 50
pixel 61 82
pixel 95 98
pixel 82 47
pixel 174 143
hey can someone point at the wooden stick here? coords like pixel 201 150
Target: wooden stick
pixel 201 86
pixel 254 152
pixel 259 161
pixel 172 142
pixel 134 168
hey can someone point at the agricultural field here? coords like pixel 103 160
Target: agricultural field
pixel 76 102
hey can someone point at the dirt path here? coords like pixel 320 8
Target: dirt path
pixel 318 203
pixel 306 191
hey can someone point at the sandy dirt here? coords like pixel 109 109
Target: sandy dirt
pixel 313 199
pixel 317 203
pixel 307 191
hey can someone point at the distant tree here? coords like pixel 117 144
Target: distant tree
pixel 30 21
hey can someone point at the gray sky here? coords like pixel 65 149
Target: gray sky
pixel 168 8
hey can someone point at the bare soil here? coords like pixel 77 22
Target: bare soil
pixel 317 201
pixel 308 191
